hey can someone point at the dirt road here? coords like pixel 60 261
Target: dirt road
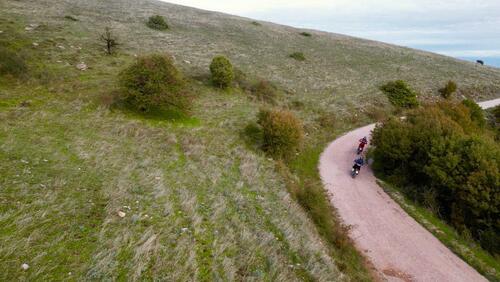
pixel 399 248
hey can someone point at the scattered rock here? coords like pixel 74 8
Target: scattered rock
pixel 61 47
pixel 157 178
pixel 1 31
pixel 81 66
pixel 24 161
pixel 184 229
pixel 121 214
pixel 35 44
pixel 31 27
pixel 25 266
pixel 187 62
pixel 25 104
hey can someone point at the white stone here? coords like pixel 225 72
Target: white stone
pixel 121 214
pixel 81 66
pixel 35 44
pixel 25 266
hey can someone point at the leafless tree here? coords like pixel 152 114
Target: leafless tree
pixel 110 40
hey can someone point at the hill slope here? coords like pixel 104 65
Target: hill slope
pixel 199 201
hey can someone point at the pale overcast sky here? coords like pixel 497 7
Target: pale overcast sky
pixel 466 29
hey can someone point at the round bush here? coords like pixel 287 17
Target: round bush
pixel 400 94
pixel 157 22
pixel 282 132
pixel 222 71
pixel 153 81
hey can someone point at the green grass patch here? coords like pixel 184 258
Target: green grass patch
pixel 299 56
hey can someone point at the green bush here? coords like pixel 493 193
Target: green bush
pixel 256 23
pixel 153 81
pixel 306 34
pixel 299 56
pixel 282 132
pixel 222 72
pixel 476 112
pixel 441 150
pixel 71 18
pixel 265 91
pixel 157 22
pixel 400 94
pixel 448 89
pixel 11 63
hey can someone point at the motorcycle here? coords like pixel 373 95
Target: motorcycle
pixel 355 171
pixel 360 150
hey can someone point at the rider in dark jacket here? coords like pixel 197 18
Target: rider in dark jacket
pixel 358 163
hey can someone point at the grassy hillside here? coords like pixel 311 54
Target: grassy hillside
pixel 200 201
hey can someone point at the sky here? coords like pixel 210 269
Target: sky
pixel 467 29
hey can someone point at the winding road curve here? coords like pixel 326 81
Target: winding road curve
pixel 399 248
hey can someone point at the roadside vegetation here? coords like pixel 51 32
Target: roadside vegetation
pixel 449 162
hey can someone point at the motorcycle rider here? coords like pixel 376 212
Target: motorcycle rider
pixel 362 144
pixel 358 163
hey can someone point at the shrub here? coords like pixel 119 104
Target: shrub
pixel 299 56
pixel 306 34
pixel 222 71
pixel 11 63
pixel 153 81
pixel 282 132
pixel 265 91
pixel 71 18
pixel 157 22
pixel 448 89
pixel 256 23
pixel 476 112
pixel 400 94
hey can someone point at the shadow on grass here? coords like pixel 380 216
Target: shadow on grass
pixel 158 115
pixel 252 136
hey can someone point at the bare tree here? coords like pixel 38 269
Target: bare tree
pixel 110 40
